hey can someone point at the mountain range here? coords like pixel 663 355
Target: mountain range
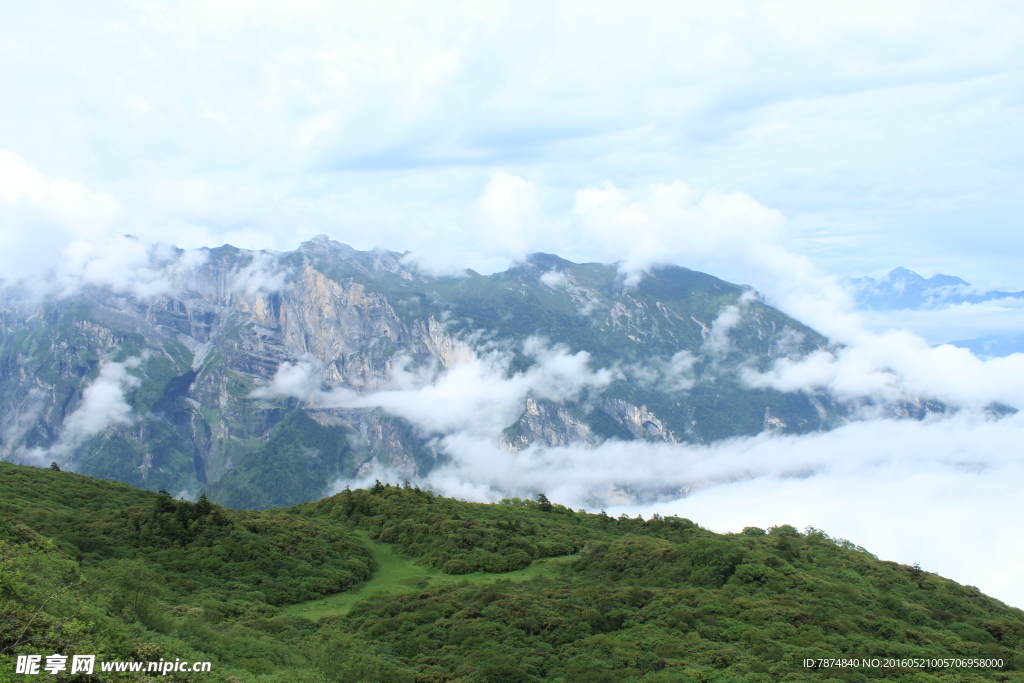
pixel 902 289
pixel 265 379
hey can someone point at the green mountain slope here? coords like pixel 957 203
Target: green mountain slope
pixel 140 576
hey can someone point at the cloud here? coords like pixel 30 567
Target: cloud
pixel 673 223
pixel 717 342
pixel 728 234
pixel 103 402
pixel 913 484
pixel 955 322
pixel 41 214
pixel 677 373
pixel 380 126
pixel 673 375
pixel 102 407
pixel 510 216
pixel 123 264
pixel 899 366
pixel 263 274
pixel 554 279
pixel 669 224
pixel 302 379
pixel 475 395
pixel 506 223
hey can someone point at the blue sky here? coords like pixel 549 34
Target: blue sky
pixel 884 134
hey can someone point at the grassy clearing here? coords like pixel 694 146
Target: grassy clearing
pixel 396 573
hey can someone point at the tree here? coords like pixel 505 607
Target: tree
pixel 55 467
pixel 34 578
pixel 133 590
pixel 203 506
pixel 544 503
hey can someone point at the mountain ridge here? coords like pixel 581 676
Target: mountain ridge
pixel 269 377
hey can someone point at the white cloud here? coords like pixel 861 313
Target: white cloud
pixel 103 402
pixel 302 380
pixel 102 406
pixel 40 214
pixel 554 279
pixel 717 343
pixel 898 366
pixel 380 125
pixel 674 224
pixel 677 374
pixel 69 203
pixel 125 265
pixel 727 234
pixel 473 395
pixel 58 235
pixel 953 323
pixel 262 274
pixel 510 216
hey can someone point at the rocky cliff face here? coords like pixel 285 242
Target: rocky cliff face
pixel 264 378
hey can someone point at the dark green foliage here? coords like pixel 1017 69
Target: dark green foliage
pixel 34 574
pixel 294 466
pixel 456 537
pixel 661 600
pixel 200 546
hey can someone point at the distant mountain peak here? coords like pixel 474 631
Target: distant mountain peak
pixel 902 288
pixel 937 280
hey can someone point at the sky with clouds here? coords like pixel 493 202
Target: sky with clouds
pixel 782 145
pixel 882 133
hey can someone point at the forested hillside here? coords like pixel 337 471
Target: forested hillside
pixel 517 591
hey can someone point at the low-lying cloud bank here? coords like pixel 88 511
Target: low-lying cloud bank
pixel 900 366
pixel 956 322
pixel 475 396
pixel 943 491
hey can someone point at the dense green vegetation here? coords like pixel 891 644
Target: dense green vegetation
pixel 292 467
pixel 192 580
pixel 130 574
pixel 399 573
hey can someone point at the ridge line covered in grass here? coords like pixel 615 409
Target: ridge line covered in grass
pixel 130 574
